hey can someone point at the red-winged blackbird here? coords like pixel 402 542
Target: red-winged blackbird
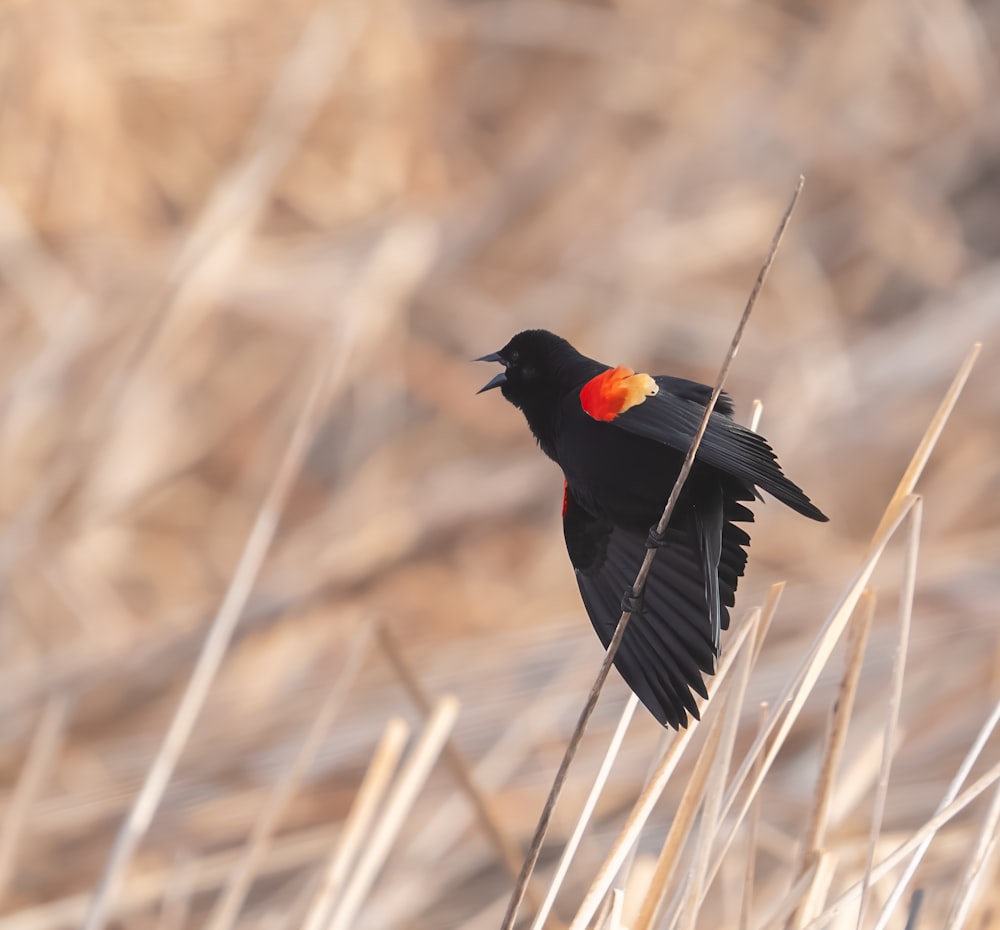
pixel 620 439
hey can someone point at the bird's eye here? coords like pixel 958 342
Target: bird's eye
pixel 514 357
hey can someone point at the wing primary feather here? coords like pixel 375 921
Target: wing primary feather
pixel 708 525
pixel 673 419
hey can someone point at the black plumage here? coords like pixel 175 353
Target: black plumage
pixel 620 439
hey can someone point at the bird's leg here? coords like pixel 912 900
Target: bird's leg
pixel 632 603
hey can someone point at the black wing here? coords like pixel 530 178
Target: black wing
pixel 671 416
pixel 672 639
pixel 696 391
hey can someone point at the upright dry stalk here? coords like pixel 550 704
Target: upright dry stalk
pixel 209 659
pixel 481 802
pixel 839 721
pixel 241 878
pixel 714 793
pixel 363 810
pixel 926 832
pixel 680 829
pixel 895 694
pixel 409 782
pixel 652 792
pixel 801 684
pixel 585 814
pixel 836 737
pixel 985 732
pixel 753 824
pixel 976 871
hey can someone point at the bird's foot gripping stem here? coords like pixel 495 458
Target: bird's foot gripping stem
pixel 631 603
pixel 655 539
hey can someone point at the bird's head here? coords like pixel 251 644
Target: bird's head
pixel 537 366
pixel 539 370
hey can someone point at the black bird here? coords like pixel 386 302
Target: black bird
pixel 620 439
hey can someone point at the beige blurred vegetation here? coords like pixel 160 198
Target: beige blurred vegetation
pixel 204 207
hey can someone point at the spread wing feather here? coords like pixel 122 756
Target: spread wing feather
pixel 670 642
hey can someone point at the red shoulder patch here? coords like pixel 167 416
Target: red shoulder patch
pixel 565 496
pixel 614 391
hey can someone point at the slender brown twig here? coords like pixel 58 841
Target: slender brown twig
pixel 541 829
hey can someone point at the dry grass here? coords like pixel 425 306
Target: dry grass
pixel 245 253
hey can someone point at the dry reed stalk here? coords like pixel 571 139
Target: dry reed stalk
pixel 603 912
pixel 753 823
pixel 534 849
pixel 802 683
pixel 813 901
pixel 517 740
pixel 240 880
pixel 793 898
pixel 281 916
pixel 836 733
pixel 715 789
pixel 954 786
pixel 359 821
pixel 795 693
pixel 860 773
pixel 817 881
pixel 569 850
pixel 402 795
pixel 643 806
pixel 930 438
pixel 680 828
pixel 403 255
pixel 895 694
pixel 489 819
pixel 767 612
pixel 685 906
pixel 924 833
pixel 614 921
pixel 210 658
pixel 495 769
pixel 976 872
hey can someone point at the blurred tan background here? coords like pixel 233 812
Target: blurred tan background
pixel 206 207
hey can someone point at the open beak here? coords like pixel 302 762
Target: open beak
pixel 496 380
